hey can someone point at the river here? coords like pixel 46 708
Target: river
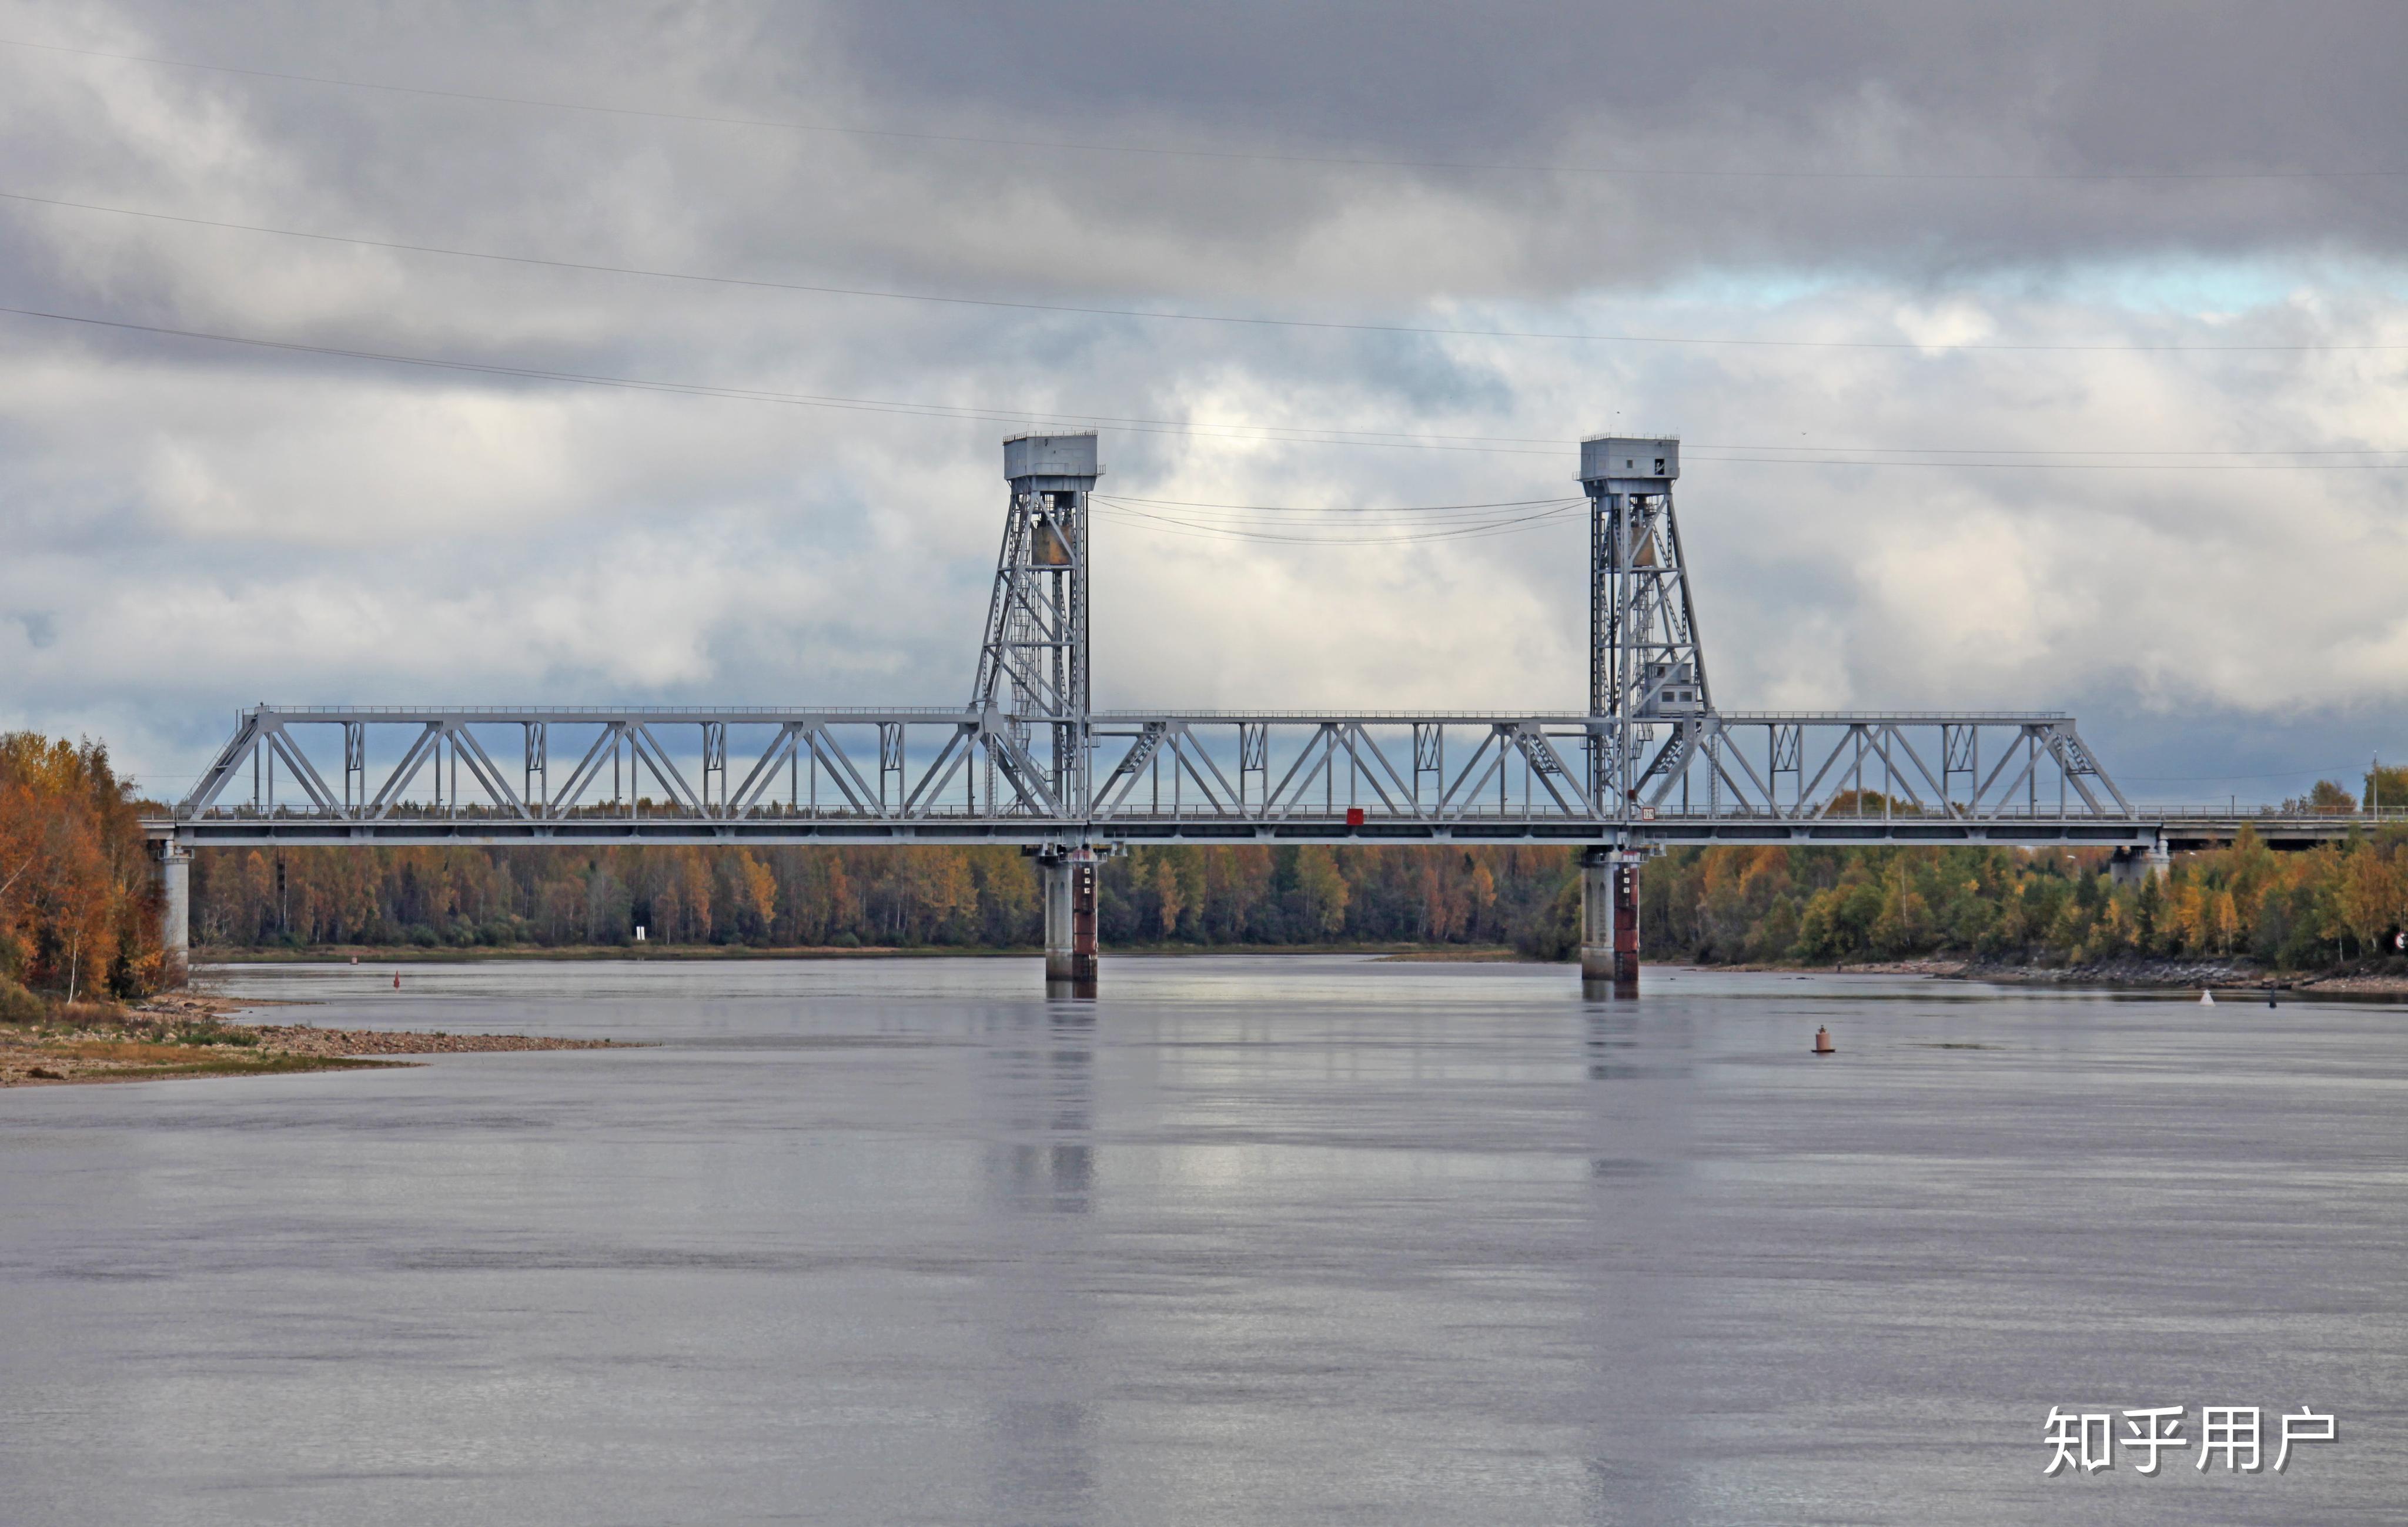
pixel 1247 1240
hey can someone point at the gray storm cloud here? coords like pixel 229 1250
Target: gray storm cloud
pixel 195 524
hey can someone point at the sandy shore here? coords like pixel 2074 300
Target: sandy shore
pixel 2191 976
pixel 2171 975
pixel 187 1034
pixel 304 1039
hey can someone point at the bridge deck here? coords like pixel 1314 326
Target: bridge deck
pixel 2181 829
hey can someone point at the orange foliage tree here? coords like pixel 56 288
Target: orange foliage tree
pixel 78 909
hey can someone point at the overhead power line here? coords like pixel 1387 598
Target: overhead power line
pixel 1498 527
pixel 1651 172
pixel 1440 510
pixel 1311 527
pixel 1013 417
pixel 1277 434
pixel 1173 316
pixel 2199 778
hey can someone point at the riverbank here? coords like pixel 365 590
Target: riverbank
pixel 188 1034
pixel 1468 954
pixel 391 954
pixel 2148 975
pixel 2389 979
pixel 2154 975
pixel 2194 975
pixel 412 954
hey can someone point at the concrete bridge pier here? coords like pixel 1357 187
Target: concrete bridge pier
pixel 1067 882
pixel 175 872
pixel 1609 923
pixel 2130 866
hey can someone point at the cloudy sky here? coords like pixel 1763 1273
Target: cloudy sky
pixel 2044 355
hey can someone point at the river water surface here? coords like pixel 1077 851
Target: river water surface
pixel 1259 1240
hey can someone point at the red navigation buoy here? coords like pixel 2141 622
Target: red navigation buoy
pixel 1823 1042
pixel 396 981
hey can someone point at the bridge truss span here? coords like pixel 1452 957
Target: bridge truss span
pixel 503 773
pixel 1649 762
pixel 907 774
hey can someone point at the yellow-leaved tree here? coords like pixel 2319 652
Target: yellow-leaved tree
pixel 78 910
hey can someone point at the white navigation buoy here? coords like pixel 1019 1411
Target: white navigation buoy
pixel 2206 998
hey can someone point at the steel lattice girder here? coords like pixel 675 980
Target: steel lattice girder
pixel 1033 658
pixel 909 773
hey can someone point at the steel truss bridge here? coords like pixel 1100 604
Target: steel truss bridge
pixel 1025 761
pixel 594 776
pixel 1650 761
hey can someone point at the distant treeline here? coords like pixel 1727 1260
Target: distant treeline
pixel 1812 905
pixel 843 897
pixel 2297 910
pixel 79 908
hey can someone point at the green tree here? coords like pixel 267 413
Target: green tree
pixel 2331 798
pixel 1903 927
pixel 1320 891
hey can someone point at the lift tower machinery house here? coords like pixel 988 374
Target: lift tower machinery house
pixel 1649 762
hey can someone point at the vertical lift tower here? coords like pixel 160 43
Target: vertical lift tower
pixel 1033 681
pixel 1647 676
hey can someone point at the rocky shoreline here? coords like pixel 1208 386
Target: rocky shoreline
pixel 2189 974
pixel 2159 975
pixel 305 1039
pixel 187 1034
